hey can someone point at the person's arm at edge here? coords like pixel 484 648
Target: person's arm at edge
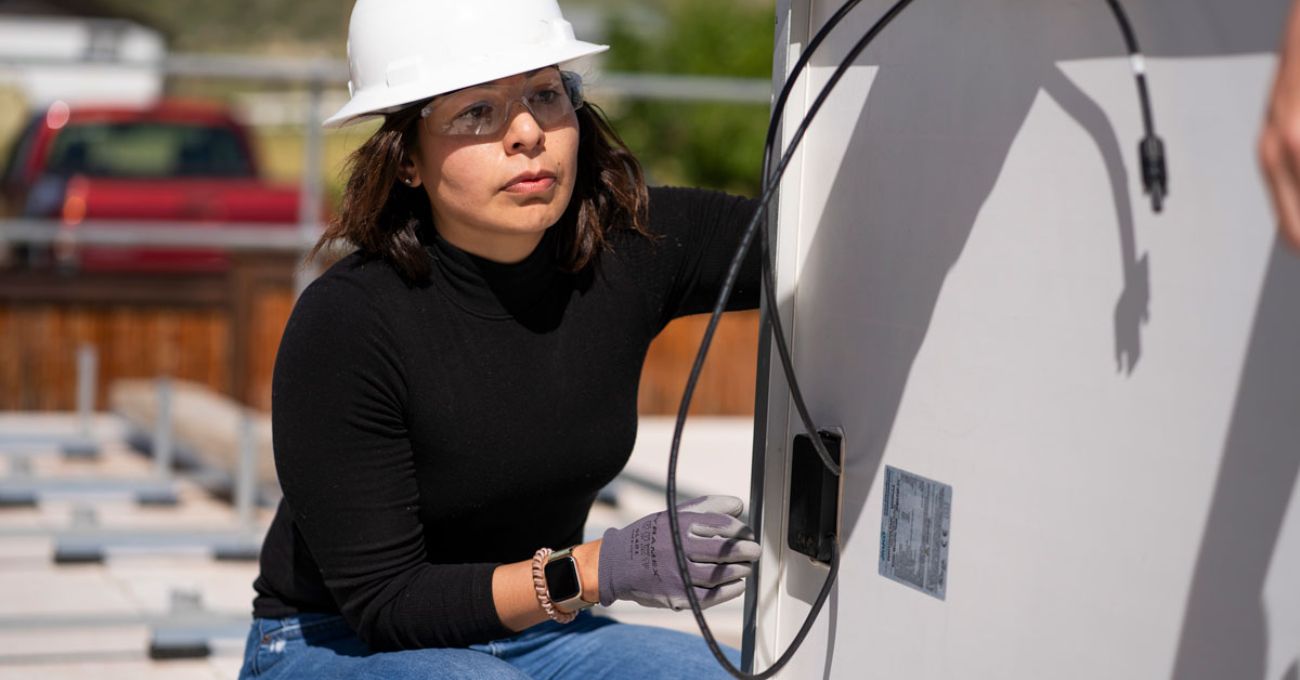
pixel 1279 140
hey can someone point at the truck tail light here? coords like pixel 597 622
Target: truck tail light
pixel 73 214
pixel 74 203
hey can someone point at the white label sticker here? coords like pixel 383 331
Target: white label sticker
pixel 914 531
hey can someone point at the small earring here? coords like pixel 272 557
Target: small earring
pixel 408 181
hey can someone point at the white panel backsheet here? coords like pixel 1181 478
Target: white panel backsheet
pixel 985 298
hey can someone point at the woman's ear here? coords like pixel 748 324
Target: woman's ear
pixel 408 170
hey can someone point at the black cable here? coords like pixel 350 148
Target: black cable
pixel 732 274
pixel 1155 174
pixel 1154 182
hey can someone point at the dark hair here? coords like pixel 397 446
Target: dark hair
pixel 382 217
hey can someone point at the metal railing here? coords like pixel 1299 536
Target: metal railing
pixel 333 72
pixel 133 233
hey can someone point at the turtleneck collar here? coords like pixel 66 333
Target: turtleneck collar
pixel 492 289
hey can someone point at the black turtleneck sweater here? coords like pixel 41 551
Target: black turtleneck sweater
pixel 425 434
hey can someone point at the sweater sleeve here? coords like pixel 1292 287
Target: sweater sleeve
pixel 348 474
pixel 699 231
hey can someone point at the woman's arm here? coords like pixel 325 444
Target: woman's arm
pixel 639 562
pixel 683 271
pixel 512 587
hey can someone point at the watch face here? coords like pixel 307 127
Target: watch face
pixel 562 579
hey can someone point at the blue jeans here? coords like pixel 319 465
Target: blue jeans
pixel 323 646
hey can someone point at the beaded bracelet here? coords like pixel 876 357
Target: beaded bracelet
pixel 539 585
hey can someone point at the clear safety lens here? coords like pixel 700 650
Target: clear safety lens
pixel 483 111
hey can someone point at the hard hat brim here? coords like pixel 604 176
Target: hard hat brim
pixel 365 105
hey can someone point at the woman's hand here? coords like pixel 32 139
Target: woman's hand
pixel 637 562
pixel 1279 141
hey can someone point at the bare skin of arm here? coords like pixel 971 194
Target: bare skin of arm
pixel 512 588
pixel 1279 141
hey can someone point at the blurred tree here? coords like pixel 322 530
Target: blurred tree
pixel 245 25
pixel 698 144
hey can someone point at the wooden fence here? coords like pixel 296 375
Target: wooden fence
pixel 222 330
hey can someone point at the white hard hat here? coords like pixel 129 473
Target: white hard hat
pixel 404 51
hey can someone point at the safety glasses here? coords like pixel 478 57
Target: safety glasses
pixel 551 97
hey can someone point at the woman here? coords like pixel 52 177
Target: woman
pixel 449 398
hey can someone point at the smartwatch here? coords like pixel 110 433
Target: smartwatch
pixel 563 582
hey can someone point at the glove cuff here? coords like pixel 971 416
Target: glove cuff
pixel 611 546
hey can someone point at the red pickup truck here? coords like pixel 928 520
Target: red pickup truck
pixel 175 162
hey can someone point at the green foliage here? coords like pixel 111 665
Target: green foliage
pixel 714 145
pixel 243 25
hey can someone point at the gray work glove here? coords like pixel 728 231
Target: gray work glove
pixel 637 562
